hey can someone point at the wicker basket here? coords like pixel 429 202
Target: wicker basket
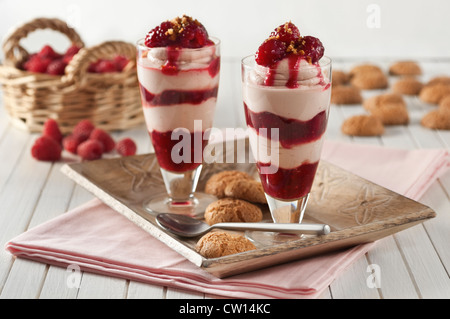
pixel 111 100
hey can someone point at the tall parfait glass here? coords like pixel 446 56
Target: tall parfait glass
pixel 286 109
pixel 179 89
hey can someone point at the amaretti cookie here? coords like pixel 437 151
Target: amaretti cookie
pixel 405 68
pixel 407 86
pixel 216 183
pixel 362 125
pixel 339 78
pixel 445 103
pixel 440 79
pixel 434 93
pixel 246 189
pixel 346 94
pixel 220 243
pixel 364 68
pixel 232 210
pixel 390 108
pixel 370 80
pixel 437 119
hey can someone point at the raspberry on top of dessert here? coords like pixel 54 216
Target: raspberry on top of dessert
pixel 286 41
pixel 180 32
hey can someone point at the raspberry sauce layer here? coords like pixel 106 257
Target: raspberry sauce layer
pixel 291 131
pixel 174 97
pixel 288 184
pixel 164 145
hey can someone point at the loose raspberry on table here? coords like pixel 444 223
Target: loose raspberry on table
pixel 71 142
pixel 90 150
pixel 83 129
pixel 126 147
pixel 46 148
pixel 51 129
pixel 104 138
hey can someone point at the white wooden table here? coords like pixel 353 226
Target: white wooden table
pixel 414 263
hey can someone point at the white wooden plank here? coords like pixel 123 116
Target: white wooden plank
pixel 94 286
pixel 59 284
pixel 139 290
pixel 175 293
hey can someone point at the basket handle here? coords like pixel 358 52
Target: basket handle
pixel 78 66
pixel 15 53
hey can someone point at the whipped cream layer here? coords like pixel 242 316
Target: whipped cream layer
pixel 169 118
pixel 267 151
pixel 175 100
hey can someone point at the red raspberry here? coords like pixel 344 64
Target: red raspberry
pixel 120 62
pixel 104 138
pixel 51 129
pixel 126 147
pixel 270 52
pixel 90 150
pixel 71 51
pixel 287 33
pixel 36 64
pixel 105 66
pixel 71 142
pixel 158 36
pixel 193 36
pixel 312 47
pixel 83 129
pixel 56 67
pixel 47 52
pixel 46 148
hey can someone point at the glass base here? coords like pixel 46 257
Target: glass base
pixel 194 207
pixel 282 211
pixel 264 239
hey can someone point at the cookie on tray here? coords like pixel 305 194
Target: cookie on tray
pixel 405 68
pixel 346 94
pixel 407 86
pixel 440 79
pixel 220 243
pixel 217 183
pixel 364 68
pixel 247 189
pixel 390 108
pixel 232 210
pixel 362 125
pixel 445 103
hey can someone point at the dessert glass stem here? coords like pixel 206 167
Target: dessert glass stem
pixel 283 211
pixel 180 196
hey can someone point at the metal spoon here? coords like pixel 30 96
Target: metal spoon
pixel 185 226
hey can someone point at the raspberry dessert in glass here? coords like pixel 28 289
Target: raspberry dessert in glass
pixel 178 66
pixel 286 93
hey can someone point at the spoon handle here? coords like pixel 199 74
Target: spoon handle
pixel 307 229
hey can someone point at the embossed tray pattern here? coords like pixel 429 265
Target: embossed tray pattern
pixel 357 210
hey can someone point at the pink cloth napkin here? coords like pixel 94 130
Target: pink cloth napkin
pixel 98 239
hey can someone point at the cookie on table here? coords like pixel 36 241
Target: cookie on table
pixel 247 189
pixel 216 183
pixel 390 108
pixel 232 210
pixel 364 68
pixel 441 79
pixel 405 68
pixel 346 94
pixel 407 86
pixel 362 125
pixel 339 78
pixel 220 243
pixel 437 119
pixel 445 103
pixel 433 93
pixel 370 80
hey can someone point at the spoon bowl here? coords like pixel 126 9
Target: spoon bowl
pixel 186 226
